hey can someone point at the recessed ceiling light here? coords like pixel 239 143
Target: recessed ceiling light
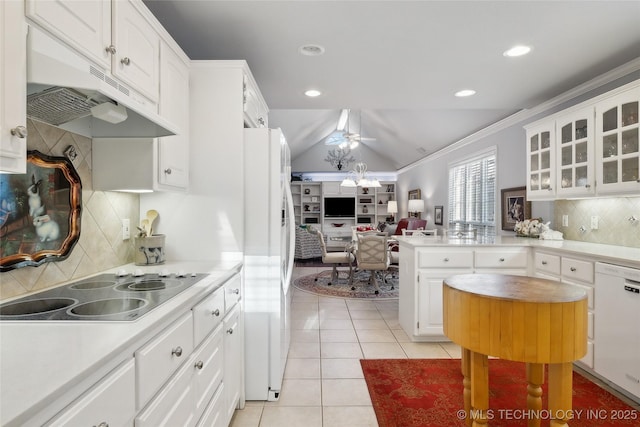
pixel 311 50
pixel 465 92
pixel 312 93
pixel 517 51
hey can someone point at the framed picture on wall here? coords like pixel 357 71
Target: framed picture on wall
pixel 515 206
pixel 415 194
pixel 437 216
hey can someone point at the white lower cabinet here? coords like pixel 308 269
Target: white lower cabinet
pixel 233 362
pixel 184 398
pixel 577 272
pixel 424 269
pixel 111 402
pixel 158 359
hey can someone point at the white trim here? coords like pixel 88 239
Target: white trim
pixel 493 150
pixel 522 115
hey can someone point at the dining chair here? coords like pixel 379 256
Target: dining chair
pixel 336 258
pixel 372 254
pixel 420 233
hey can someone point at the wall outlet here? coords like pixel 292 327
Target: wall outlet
pixel 126 229
pixel 565 220
pixel 594 222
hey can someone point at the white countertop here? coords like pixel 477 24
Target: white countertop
pixel 620 255
pixel 39 363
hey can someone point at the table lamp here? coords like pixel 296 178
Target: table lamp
pixel 416 206
pixel 392 208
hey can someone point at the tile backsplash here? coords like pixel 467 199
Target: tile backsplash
pixel 615 220
pixel 100 245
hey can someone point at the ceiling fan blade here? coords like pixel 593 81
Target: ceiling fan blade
pixel 335 138
pixel 343 120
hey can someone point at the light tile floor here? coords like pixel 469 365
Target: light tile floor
pixel 323 382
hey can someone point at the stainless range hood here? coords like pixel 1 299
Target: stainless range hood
pixel 63 87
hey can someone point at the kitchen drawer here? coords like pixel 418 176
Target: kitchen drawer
pixel 208 366
pixel 110 402
pixel 577 270
pixel 445 258
pixel 232 292
pixel 547 263
pixel 588 289
pixel 158 359
pixel 207 315
pixel 501 258
pixel 173 406
pixel 588 358
pixel 214 414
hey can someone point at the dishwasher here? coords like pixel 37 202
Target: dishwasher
pixel 617 326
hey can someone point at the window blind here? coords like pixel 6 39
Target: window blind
pixel 472 200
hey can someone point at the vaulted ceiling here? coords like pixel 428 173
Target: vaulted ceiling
pixel 397 64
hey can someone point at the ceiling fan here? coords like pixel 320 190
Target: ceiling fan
pixel 345 138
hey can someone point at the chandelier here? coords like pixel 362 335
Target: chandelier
pixel 358 178
pixel 340 157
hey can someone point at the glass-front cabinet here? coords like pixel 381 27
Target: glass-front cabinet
pixel 541 161
pixel 617 146
pixel 575 153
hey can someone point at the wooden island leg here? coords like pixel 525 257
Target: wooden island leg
pixel 535 379
pixel 560 393
pixel 479 389
pixel 466 383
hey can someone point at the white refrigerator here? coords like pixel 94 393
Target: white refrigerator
pixel 269 241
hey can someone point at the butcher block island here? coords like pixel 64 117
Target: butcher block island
pixel 176 362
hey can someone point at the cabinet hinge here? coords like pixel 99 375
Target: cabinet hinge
pixel 418 325
pixel 418 278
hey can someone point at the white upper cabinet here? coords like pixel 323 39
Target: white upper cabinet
pixel 590 149
pixel 617 146
pixel 173 151
pixel 13 88
pixel 137 57
pixel 541 161
pixel 255 109
pixel 84 25
pixel 575 165
pixel 117 35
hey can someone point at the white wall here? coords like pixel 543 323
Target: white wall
pixel 312 160
pixel 207 223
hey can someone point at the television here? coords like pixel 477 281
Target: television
pixel 339 207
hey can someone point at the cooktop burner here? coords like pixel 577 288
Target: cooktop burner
pixel 104 297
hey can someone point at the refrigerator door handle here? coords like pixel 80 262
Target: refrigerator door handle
pixel 292 231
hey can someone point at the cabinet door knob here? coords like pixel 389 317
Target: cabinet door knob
pixel 216 312
pixel 544 262
pixel 587 186
pixel 19 131
pixel 111 49
pixel 177 351
pixel 446 260
pixel 199 364
pixel 235 291
pixel 103 424
pixel 572 269
pixel 230 331
pixel 125 61
pixel 167 171
pixel 501 259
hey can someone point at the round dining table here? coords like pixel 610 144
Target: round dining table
pixel 527 319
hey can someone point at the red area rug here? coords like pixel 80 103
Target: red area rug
pixel 428 393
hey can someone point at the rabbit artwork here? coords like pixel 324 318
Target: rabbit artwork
pixel 46 228
pixel 36 207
